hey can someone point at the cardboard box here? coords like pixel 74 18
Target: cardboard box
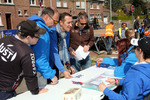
pixel 72 94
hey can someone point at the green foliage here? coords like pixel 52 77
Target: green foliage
pixel 140 7
pixel 120 12
pixel 127 17
pixel 116 4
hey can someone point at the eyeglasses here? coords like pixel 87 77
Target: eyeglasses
pixel 135 47
pixel 37 37
pixel 83 23
pixel 55 22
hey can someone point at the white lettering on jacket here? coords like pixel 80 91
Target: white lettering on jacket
pixel 6 53
pixel 33 62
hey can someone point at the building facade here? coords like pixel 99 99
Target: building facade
pixel 14 11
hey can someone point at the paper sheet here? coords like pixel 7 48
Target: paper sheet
pixel 80 54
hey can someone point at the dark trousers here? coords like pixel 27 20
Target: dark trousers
pixel 117 90
pixel 6 95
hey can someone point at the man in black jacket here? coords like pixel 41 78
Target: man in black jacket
pixel 136 26
pixel 18 60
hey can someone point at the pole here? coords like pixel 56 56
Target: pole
pixel 40 8
pixel 73 7
pixel 110 12
pixel 88 9
pixel 132 18
pixel 51 3
pixel 85 5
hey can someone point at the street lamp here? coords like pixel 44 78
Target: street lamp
pixel 110 11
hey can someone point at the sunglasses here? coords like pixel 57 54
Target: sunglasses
pixel 55 22
pixel 83 23
pixel 37 37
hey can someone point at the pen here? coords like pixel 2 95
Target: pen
pixel 74 82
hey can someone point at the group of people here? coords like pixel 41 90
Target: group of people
pixel 132 65
pixel 41 48
pixel 44 44
pixel 142 30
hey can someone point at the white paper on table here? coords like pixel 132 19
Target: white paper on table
pixel 100 80
pixel 80 54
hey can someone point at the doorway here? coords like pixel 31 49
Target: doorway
pixel 8 21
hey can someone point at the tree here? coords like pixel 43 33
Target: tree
pixel 116 4
pixel 140 7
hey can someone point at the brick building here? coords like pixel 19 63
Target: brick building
pixel 14 11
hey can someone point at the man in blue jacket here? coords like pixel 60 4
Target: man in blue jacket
pixel 42 49
pixel 61 39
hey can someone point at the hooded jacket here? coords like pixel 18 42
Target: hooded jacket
pixel 120 71
pixel 136 84
pixel 42 50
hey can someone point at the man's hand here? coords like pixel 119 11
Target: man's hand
pixel 86 48
pixel 73 53
pixel 71 69
pixel 99 60
pixel 42 90
pixel 54 81
pixel 67 74
pixel 102 87
pixel 111 81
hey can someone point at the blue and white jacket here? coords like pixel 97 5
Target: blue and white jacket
pixel 42 50
pixel 136 84
pixel 120 71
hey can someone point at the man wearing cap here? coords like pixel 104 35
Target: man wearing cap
pixel 136 84
pixel 18 60
pixel 43 48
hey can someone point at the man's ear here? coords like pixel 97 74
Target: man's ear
pixel 60 22
pixel 46 17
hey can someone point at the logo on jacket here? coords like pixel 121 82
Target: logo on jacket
pixel 6 53
pixel 33 62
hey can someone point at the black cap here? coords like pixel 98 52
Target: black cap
pixel 143 43
pixel 30 28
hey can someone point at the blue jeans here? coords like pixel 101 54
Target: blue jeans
pixel 6 95
pixel 109 43
pixel 85 63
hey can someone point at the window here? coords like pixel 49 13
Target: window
pixel 32 2
pixel 82 4
pixel 8 1
pixel 98 5
pixel 0 19
pixel 91 5
pixel 25 12
pixel 42 2
pixel 19 12
pixel 64 4
pixel 58 3
pixel 77 4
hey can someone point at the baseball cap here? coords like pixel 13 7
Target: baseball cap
pixel 30 28
pixel 143 43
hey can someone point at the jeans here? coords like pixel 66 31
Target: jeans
pixel 77 65
pixel 109 41
pixel 6 95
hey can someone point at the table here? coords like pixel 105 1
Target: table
pixel 55 92
pixel 98 38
